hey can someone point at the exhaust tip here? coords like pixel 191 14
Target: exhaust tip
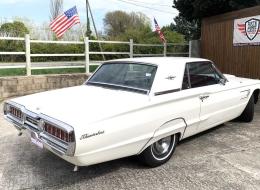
pixel 20 133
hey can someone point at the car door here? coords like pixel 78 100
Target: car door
pixel 191 104
pixel 219 98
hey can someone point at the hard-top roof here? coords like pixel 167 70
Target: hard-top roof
pixel 160 60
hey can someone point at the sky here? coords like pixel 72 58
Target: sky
pixel 38 10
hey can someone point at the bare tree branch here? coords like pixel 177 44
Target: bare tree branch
pixel 56 8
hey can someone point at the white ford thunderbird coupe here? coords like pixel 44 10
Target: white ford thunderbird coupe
pixel 142 106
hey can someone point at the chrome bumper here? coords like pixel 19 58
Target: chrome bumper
pixel 59 147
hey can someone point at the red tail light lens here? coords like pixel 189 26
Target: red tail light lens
pixel 16 112
pixel 59 133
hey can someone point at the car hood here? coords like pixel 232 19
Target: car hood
pixel 84 104
pixel 241 81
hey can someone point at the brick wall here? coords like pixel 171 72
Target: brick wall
pixel 19 86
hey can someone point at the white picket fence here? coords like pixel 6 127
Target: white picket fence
pixel 87 62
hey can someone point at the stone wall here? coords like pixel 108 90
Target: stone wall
pixel 19 86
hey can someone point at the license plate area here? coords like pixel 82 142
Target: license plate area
pixel 35 140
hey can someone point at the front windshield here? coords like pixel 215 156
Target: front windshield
pixel 126 76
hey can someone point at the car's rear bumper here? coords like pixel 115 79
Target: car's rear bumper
pixel 48 142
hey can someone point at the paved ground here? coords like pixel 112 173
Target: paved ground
pixel 227 157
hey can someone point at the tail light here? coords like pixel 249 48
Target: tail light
pixel 13 111
pixel 59 133
pixel 16 112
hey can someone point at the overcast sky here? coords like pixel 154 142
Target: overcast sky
pixel 38 10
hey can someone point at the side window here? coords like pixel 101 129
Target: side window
pixel 202 74
pixel 186 80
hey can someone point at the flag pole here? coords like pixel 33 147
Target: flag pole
pixel 88 23
pixel 86 44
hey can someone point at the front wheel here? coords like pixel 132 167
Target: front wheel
pixel 159 152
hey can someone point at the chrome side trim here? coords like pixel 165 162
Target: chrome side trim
pixel 248 92
pixel 167 92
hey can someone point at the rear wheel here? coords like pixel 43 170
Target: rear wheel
pixel 248 113
pixel 159 152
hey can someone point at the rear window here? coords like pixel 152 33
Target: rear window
pixel 130 76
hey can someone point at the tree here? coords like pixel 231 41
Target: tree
pixel 88 31
pixel 56 8
pixel 118 22
pixel 192 11
pixel 190 29
pixel 16 29
pixel 171 36
pixel 197 9
pixel 125 26
pixel 12 29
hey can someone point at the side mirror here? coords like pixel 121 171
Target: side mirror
pixel 223 82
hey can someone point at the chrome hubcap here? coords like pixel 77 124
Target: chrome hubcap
pixel 162 146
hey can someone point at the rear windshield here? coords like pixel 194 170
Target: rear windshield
pixel 127 76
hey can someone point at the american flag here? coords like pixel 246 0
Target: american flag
pixel 158 30
pixel 65 21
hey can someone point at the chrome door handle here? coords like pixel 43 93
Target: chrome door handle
pixel 204 97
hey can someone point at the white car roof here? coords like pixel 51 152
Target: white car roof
pixel 161 60
pixel 167 67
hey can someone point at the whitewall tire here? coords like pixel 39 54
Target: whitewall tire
pixel 159 152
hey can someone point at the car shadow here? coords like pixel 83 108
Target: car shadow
pixel 52 171
pixel 91 172
pixel 59 173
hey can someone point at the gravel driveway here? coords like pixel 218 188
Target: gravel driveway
pixel 226 157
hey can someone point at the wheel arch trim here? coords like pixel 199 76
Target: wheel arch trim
pixel 171 127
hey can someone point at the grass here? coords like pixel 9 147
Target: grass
pixel 12 72
pixel 22 72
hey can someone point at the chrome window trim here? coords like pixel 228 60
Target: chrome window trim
pixel 148 91
pixel 167 92
pixel 122 87
pixel 213 68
